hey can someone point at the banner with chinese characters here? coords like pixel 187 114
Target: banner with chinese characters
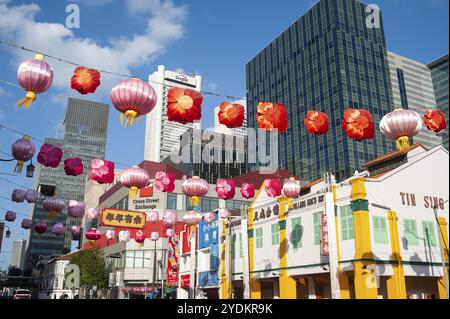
pixel 172 261
pixel 324 247
pixel 122 218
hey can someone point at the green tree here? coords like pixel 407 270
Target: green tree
pixel 92 268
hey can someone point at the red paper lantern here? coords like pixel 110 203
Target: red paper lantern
pixel 85 80
pixel 316 122
pixel 73 166
pixel 139 238
pixel 93 234
pixel 135 178
pixel 102 171
pixel 133 98
pixel 231 114
pixel 164 182
pixel 35 76
pixel 272 116
pixel 184 105
pixel 22 150
pixel 40 227
pixel 434 120
pixel 273 187
pixel 358 124
pixel 225 188
pixel 49 156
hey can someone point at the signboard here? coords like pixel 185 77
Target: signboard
pixel 122 218
pixel 208 234
pixel 186 240
pixel 185 281
pixel 147 199
pixel 146 191
pixel 208 279
pixel 208 237
pixel 172 261
pixel 324 247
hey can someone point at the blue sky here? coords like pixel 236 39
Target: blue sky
pixel 212 38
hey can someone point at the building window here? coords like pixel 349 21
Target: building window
pixel 233 246
pixel 410 233
pixel 259 237
pixel 317 228
pixel 296 232
pixel 347 231
pixel 275 234
pixel 380 231
pixel 429 233
pixel 171 201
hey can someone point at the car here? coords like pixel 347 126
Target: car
pixel 22 294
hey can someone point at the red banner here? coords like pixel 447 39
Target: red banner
pixel 186 240
pixel 184 281
pixel 324 247
pixel 172 261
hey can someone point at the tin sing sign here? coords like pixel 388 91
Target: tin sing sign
pixel 324 247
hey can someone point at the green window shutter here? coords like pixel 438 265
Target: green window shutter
pixel 380 231
pixel 317 228
pixel 233 246
pixel 296 232
pixel 410 233
pixel 347 227
pixel 240 244
pixel 275 234
pixel 259 237
pixel 429 233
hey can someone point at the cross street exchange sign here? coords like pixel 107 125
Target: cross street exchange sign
pixel 122 218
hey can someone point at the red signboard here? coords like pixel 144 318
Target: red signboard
pixel 172 261
pixel 184 281
pixel 146 191
pixel 324 247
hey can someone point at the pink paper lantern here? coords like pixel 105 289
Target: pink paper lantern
pixel 139 238
pixel 93 234
pixel 195 188
pixel 225 188
pixel 73 166
pixel 76 209
pixel 273 187
pixel 40 227
pixel 153 217
pixel 209 218
pixel 34 76
pixel 170 218
pixel 102 171
pixel 10 216
pixel 27 223
pixel 110 234
pixel 54 205
pixel 92 213
pixel 22 150
pixel 76 231
pixel 291 188
pixel 58 229
pixel 154 236
pixel 124 236
pixel 192 218
pixel 31 196
pixel 18 195
pixel 224 213
pixel 49 156
pixel 164 182
pixel 247 190
pixel 170 232
pixel 135 178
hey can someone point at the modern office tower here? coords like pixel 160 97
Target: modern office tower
pixel 85 130
pixel 18 253
pixel 439 73
pixel 329 60
pixel 238 131
pixel 162 136
pixel 412 88
pixel 210 155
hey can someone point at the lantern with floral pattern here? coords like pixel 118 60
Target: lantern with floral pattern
pixel 231 114
pixel 10 216
pixel 85 80
pixel 27 223
pixel 273 187
pixel 73 166
pixel 49 156
pixel 184 105
pixel 124 236
pixel 102 171
pixel 58 229
pixel 247 190
pixel 358 124
pixel 18 195
pixel 271 116
pixel 316 122
pixel 164 182
pixel 225 188
pixel 76 209
pixel 434 120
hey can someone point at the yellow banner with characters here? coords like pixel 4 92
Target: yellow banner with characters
pixel 122 218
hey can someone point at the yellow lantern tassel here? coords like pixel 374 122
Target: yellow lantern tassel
pixel 195 200
pixel 52 215
pixel 128 117
pixel 402 143
pixel 133 192
pixel 27 100
pixel 290 203
pixel 19 166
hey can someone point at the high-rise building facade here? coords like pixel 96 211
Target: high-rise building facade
pixel 412 88
pixel 85 131
pixel 329 60
pixel 18 253
pixel 236 131
pixel 162 136
pixel 439 73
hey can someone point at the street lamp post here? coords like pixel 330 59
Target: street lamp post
pixel 154 266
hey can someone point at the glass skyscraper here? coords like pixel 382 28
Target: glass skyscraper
pixel 85 131
pixel 439 73
pixel 327 60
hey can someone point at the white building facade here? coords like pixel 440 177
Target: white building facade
pixel 18 253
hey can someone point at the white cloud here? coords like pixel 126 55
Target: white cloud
pixel 92 3
pixel 164 24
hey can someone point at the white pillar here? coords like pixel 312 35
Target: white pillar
pixel 193 263
pixel 311 288
pixel 332 244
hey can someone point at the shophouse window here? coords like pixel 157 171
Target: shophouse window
pixel 296 232
pixel 410 233
pixel 317 228
pixel 240 244
pixel 259 237
pixel 380 231
pixel 429 233
pixel 347 227
pixel 233 246
pixel 171 201
pixel 275 234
